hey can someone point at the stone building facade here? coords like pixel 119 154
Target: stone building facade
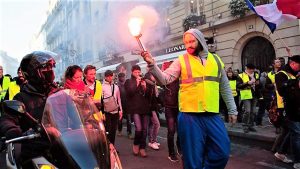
pixel 237 41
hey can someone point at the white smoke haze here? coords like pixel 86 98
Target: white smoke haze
pixel 148 14
pixel 114 35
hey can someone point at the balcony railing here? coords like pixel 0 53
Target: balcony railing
pixel 192 21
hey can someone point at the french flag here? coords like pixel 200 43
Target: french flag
pixel 277 12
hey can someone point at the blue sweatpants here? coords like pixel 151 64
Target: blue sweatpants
pixel 204 141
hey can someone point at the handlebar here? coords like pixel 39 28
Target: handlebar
pixel 28 137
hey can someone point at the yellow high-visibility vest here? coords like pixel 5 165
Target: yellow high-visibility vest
pixel 232 84
pixel 4 87
pixel 246 94
pixel 271 76
pixel 279 99
pixel 97 96
pixel 280 103
pixel 98 90
pixel 13 89
pixel 199 85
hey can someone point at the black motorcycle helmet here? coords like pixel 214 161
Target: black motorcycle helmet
pixel 37 68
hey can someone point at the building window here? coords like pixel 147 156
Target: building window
pixel 197 7
pixel 193 6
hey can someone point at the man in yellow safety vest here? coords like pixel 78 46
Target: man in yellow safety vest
pixel 4 84
pixel 248 83
pixel 15 86
pixel 203 137
pixel 94 86
pixel 288 87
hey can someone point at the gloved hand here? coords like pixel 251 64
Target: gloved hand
pixel 13 133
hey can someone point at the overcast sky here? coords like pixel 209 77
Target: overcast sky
pixel 19 21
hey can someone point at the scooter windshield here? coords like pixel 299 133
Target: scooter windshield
pixel 69 119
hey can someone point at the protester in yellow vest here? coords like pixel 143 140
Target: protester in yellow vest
pixel 94 86
pixel 248 83
pixel 202 134
pixel 233 82
pixel 271 93
pixel 4 84
pixel 283 138
pixel 15 85
pixel 288 86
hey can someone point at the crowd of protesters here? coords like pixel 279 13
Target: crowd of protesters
pixel 260 93
pixel 139 100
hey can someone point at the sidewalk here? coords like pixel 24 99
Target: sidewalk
pixel 264 137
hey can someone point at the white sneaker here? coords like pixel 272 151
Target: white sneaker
pixel 283 158
pixel 158 144
pixel 153 146
pixel 297 166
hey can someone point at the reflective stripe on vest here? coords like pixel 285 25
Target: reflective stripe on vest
pixel 232 84
pixel 246 94
pixel 5 85
pixel 13 90
pixel 97 97
pixel 280 103
pixel 199 85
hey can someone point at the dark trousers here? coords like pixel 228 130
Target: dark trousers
pixel 223 108
pixel 128 123
pixel 241 111
pixel 249 114
pixel 264 105
pixel 111 123
pixel 295 139
pixel 141 122
pixel 282 141
pixel 171 118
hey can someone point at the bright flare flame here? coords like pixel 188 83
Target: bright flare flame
pixel 135 25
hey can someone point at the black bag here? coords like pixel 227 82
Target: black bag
pixel 110 104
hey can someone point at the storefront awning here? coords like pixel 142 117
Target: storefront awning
pixel 110 67
pixel 162 58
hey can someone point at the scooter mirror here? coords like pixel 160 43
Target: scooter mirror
pixel 13 107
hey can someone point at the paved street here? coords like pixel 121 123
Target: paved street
pixel 242 156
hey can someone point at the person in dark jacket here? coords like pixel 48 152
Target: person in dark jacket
pixel 154 123
pixel 38 70
pixel 269 92
pixel 288 84
pixel 171 113
pixel 139 109
pixel 126 115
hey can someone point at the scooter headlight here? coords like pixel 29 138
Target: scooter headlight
pixel 46 166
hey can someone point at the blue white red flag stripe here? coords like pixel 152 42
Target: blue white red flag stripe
pixel 270 14
pixel 291 7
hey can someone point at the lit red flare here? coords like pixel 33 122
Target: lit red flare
pixel 135 26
